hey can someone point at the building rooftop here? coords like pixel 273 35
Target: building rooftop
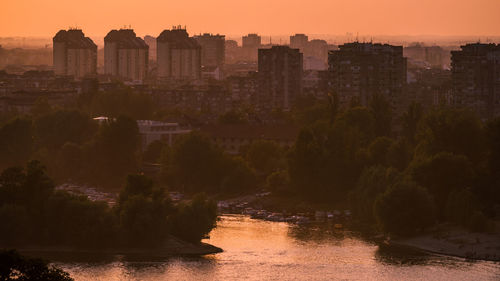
pixel 178 38
pixel 126 39
pixel 74 38
pixel 369 47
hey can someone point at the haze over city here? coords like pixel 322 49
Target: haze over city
pixel 277 17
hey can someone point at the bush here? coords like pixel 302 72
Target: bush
pixel 16 267
pixel 193 221
pixel 404 208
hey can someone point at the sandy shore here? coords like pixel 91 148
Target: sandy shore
pixel 456 242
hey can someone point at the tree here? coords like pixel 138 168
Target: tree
pixel 233 117
pixel 113 155
pixel 120 102
pixel 239 177
pixel 399 154
pixel 54 129
pixel 411 118
pixel 306 164
pixel 265 156
pixel 382 113
pixel 457 131
pixel 374 181
pixel 70 162
pixel 404 209
pixel 13 266
pixel 442 174
pixel 379 151
pixel 278 182
pixel 194 164
pixel 153 151
pixel 16 143
pixel 194 220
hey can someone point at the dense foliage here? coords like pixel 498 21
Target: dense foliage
pixel 73 146
pixel 445 159
pixel 359 154
pixel 194 164
pixel 33 213
pixel 13 266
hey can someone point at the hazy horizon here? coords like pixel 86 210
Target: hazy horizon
pixel 26 18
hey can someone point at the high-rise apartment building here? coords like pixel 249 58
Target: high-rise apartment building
pixel 280 77
pixel 360 70
pixel 212 49
pixel 475 74
pixel 74 54
pixel 179 56
pixel 299 41
pixel 250 44
pixel 251 40
pixel 125 55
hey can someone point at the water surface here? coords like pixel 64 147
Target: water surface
pixel 261 250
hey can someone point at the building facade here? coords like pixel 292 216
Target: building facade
pixel 178 55
pixel 212 49
pixel 250 44
pixel 299 41
pixel 151 131
pixel 280 77
pixel 125 55
pixel 74 54
pixel 360 70
pixel 475 74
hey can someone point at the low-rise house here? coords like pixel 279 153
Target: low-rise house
pixel 151 131
pixel 233 137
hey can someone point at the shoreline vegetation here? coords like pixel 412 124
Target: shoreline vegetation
pixel 444 239
pixel 35 215
pixel 397 173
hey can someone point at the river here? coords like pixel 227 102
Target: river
pixel 262 250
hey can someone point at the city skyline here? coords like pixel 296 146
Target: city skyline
pixel 384 17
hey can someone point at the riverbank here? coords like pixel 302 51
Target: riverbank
pixel 453 241
pixel 172 247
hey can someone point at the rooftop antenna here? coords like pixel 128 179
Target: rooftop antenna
pixel 357 34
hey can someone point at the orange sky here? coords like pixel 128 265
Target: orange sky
pixel 232 17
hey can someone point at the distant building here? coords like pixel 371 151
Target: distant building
pixel 299 41
pixel 74 54
pixel 151 41
pixel 359 70
pixel 428 56
pixel 475 73
pixel 250 44
pixel 319 49
pixel 243 88
pixel 232 138
pixel 280 76
pixel 212 49
pixel 125 55
pixel 179 56
pixel 151 131
pixel 251 40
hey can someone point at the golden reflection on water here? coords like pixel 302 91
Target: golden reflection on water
pixel 261 250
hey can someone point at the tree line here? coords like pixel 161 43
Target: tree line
pixel 34 214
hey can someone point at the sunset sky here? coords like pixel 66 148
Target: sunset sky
pixel 376 17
